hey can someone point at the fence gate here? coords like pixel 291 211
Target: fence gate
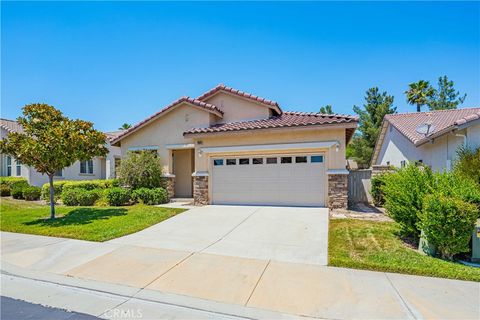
pixel 359 186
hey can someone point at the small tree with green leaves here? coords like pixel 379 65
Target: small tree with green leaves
pixel 419 93
pixel 445 97
pixel 326 109
pixel 141 170
pixel 125 126
pixel 51 141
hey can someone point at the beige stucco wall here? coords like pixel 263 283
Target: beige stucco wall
pixel 334 159
pixel 236 108
pixel 168 129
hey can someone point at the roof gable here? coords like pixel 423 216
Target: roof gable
pixel 222 88
pixel 183 100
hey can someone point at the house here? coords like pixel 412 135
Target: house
pixel 231 147
pixel 97 168
pixel 432 137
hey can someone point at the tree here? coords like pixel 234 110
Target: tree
pixel 445 97
pixel 419 93
pixel 326 109
pixel 141 170
pixel 125 126
pixel 50 142
pixel 376 106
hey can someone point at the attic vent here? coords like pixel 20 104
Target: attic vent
pixel 425 128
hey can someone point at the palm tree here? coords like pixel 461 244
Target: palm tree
pixel 327 109
pixel 125 126
pixel 419 93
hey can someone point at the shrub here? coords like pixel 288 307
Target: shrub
pixel 13 182
pixel 448 223
pixel 59 186
pixel 32 193
pixel 468 164
pixel 141 170
pixel 80 197
pixel 4 190
pixel 403 193
pixel 150 196
pixel 452 184
pixel 17 192
pixel 57 190
pixel 117 196
pixel 378 182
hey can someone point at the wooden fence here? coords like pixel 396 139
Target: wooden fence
pixel 359 183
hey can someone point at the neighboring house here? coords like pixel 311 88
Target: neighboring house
pixel 231 147
pixel 432 137
pixel 97 168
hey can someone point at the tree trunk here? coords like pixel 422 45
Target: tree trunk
pixel 419 108
pixel 52 197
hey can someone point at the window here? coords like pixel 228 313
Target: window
pixel 388 163
pixel 231 162
pixel 271 160
pixel 257 161
pixel 19 168
pixel 86 167
pixel 403 163
pixel 58 173
pixel 244 161
pixel 286 160
pixel 9 166
pixel 302 159
pixel 316 159
pixel 218 162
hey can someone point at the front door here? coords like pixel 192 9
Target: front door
pixel 183 169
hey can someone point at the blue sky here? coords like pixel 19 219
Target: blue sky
pixel 115 62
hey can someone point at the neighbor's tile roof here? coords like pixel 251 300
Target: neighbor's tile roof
pixel 113 134
pixel 285 120
pixel 442 121
pixel 10 125
pixel 207 106
pixel 222 87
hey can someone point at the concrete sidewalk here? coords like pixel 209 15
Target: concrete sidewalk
pixel 223 285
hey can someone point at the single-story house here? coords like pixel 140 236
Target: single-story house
pixel 431 137
pixel 97 168
pixel 231 147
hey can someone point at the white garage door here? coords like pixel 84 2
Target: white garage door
pixel 296 180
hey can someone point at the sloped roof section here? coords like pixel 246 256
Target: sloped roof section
pixel 10 125
pixel 113 134
pixel 442 121
pixel 285 120
pixel 195 102
pixel 221 87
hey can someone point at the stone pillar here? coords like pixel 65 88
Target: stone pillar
pixel 378 169
pixel 200 189
pixel 170 185
pixel 338 191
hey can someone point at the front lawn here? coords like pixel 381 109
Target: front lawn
pixel 371 245
pixel 85 223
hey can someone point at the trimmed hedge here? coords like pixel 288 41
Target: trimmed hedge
pixel 32 193
pixel 13 182
pixel 4 190
pixel 17 192
pixel 59 186
pixel 150 196
pixel 80 197
pixel 117 196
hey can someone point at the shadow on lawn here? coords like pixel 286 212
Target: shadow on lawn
pixel 80 216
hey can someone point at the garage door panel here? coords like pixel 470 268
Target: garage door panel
pixel 299 184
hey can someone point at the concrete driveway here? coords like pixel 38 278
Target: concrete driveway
pixel 288 234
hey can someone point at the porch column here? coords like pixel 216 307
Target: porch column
pixel 200 188
pixel 170 185
pixel 337 189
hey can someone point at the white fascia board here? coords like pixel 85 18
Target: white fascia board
pixel 143 148
pixel 338 171
pixel 200 174
pixel 179 146
pixel 272 147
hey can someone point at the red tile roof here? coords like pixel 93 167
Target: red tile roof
pixel 10 125
pixel 285 120
pixel 207 106
pixel 222 87
pixel 442 121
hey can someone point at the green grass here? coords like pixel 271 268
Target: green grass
pixel 85 223
pixel 369 245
